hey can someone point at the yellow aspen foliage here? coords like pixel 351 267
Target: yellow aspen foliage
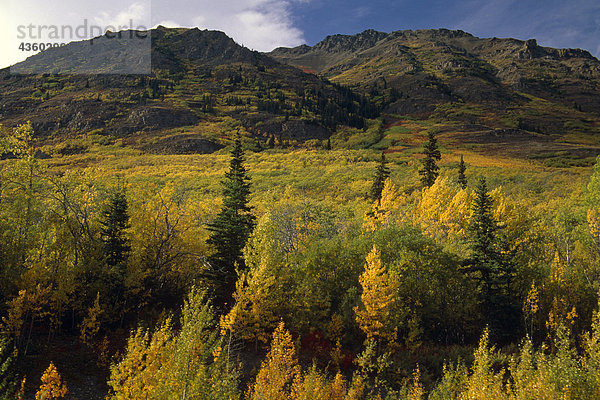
pixel 91 324
pixel 338 388
pixel 531 308
pixel 141 371
pixel 593 218
pixel 253 315
pixel 52 386
pixel 413 336
pixel 278 371
pixel 335 328
pixel 378 298
pixel 312 386
pixel 17 308
pixel 560 314
pixel 515 218
pixel 357 388
pixel 592 350
pixel 384 212
pixel 483 384
pixel 416 391
pixel 557 270
pixel 21 392
pixel 443 210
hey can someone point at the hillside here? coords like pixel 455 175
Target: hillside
pixel 202 82
pixel 481 94
pixel 505 89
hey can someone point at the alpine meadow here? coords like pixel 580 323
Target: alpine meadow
pixel 405 215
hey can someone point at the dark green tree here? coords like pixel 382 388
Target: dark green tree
pixel 430 170
pixel 462 179
pixel 381 174
pixel 115 223
pixel 116 248
pixel 231 228
pixel 491 268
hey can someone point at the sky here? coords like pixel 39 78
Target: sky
pixel 266 24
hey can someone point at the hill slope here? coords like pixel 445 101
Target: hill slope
pixel 504 89
pixel 492 95
pixel 201 80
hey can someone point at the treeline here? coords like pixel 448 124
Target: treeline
pixel 301 301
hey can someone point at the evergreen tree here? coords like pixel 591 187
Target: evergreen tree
pixel 328 147
pixel 381 174
pixel 231 228
pixel 430 170
pixel 115 222
pixel 491 268
pixel 462 179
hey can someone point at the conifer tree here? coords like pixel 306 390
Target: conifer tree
pixel 462 179
pixel 490 267
pixel 115 222
pixel 231 228
pixel 381 174
pixel 430 170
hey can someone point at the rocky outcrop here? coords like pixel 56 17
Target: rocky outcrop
pixel 350 43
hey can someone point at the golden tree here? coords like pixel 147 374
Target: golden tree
pixel 384 212
pixel 91 325
pixel 52 385
pixel 378 298
pixel 279 370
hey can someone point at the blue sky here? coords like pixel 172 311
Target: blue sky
pixel 266 24
pixel 574 23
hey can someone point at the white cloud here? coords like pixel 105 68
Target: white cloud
pixel 64 13
pixel 167 24
pixel 258 24
pixel 137 15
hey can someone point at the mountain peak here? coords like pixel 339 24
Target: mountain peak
pixel 167 48
pixel 345 43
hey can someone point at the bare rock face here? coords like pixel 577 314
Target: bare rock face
pixel 531 50
pixel 183 144
pixel 154 118
pixel 351 43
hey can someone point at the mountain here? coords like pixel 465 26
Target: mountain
pixel 202 84
pixel 479 90
pixel 415 72
pixel 203 87
pixel 453 66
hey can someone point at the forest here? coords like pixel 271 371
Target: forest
pixel 323 273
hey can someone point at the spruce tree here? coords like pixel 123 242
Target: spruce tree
pixel 462 179
pixel 231 228
pixel 430 170
pixel 115 223
pixel 491 268
pixel 381 174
